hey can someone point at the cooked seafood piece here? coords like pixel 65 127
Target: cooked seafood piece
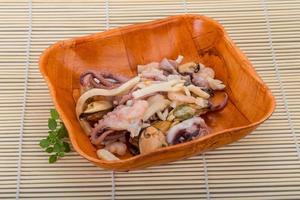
pixel 162 105
pixel 187 130
pixel 151 139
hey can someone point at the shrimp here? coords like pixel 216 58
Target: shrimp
pixel 179 97
pixel 169 66
pixel 155 74
pixel 123 117
pixel 201 78
pixel 135 111
pixel 116 148
pixel 152 65
pixel 208 72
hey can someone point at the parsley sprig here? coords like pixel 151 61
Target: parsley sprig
pixel 55 143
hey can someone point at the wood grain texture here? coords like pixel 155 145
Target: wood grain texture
pixel 197 38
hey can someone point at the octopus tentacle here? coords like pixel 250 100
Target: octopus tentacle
pixel 98 140
pixel 105 80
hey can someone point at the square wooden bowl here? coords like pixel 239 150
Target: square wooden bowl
pixel 120 50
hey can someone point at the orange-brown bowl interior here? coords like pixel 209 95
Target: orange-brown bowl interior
pixel 119 51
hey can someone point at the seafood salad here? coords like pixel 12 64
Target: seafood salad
pixel 161 106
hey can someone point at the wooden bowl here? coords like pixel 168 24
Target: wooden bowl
pixel 120 50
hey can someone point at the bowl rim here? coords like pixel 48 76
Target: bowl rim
pixel 43 65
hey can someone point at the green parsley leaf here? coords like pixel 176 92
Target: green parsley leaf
pixel 52 134
pixel 49 150
pixel 52 138
pixel 62 132
pixel 54 114
pixel 57 147
pixel 61 154
pixel 56 139
pixel 67 147
pixel 44 143
pixel 53 158
pixel 52 124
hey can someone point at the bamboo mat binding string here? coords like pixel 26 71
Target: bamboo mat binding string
pixel 113 190
pixel 24 98
pixel 203 155
pixel 206 177
pixel 278 77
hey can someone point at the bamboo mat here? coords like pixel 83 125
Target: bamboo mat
pixel 264 165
